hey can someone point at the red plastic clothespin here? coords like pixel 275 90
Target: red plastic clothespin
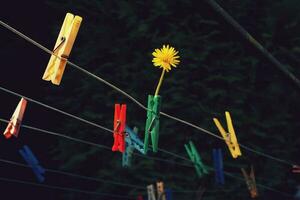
pixel 140 197
pixel 14 124
pixel 119 128
pixel 296 169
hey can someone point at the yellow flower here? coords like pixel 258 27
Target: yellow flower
pixel 165 57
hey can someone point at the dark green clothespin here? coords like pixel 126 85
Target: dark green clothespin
pixel 152 123
pixel 201 169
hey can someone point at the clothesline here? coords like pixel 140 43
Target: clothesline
pixel 68 189
pixel 253 41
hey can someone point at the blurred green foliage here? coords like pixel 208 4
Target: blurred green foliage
pixel 219 71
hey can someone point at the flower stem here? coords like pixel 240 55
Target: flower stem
pixel 159 83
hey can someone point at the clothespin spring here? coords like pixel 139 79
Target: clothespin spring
pixel 228 139
pixel 63 56
pixel 14 126
pixel 151 125
pixel 118 124
pixel 117 127
pixel 63 39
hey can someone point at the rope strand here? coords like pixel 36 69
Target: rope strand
pixel 253 41
pixel 117 183
pixel 62 188
pixel 105 147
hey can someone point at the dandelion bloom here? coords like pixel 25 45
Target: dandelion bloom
pixel 165 57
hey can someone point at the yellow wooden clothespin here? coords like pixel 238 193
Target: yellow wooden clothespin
pixel 62 49
pixel 229 137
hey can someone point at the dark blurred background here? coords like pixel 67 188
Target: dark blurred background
pixel 219 71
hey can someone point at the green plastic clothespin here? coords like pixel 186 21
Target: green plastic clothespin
pixel 152 123
pixel 201 169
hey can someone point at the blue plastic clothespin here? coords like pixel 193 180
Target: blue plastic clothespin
pixel 169 194
pixel 31 160
pixel 218 165
pixel 132 142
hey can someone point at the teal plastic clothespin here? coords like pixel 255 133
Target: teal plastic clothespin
pixel 133 142
pixel 201 169
pixel 152 123
pixel 127 156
